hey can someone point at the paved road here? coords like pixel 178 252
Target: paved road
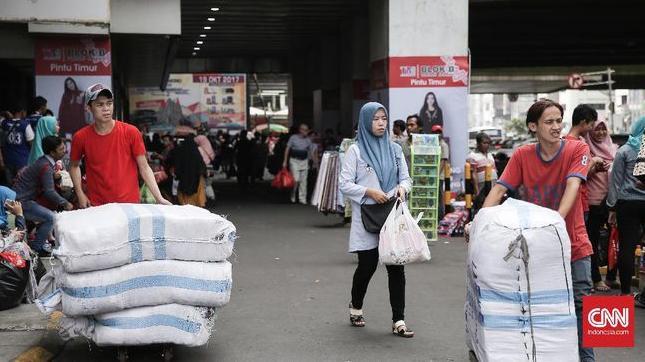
pixel 292 277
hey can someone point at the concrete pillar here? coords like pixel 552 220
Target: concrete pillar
pixel 327 94
pixel 419 47
pixel 355 58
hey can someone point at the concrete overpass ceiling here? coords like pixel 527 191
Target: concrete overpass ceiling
pixel 258 28
pixel 538 33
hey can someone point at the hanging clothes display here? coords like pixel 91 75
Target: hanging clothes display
pixel 325 195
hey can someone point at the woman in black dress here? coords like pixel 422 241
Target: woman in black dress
pixel 430 113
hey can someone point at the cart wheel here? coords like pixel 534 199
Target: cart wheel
pixel 167 353
pixel 472 357
pixel 122 354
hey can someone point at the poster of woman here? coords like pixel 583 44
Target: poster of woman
pixel 430 113
pixel 71 111
pixel 64 67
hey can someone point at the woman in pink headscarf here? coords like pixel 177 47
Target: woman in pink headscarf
pixel 205 148
pixel 603 151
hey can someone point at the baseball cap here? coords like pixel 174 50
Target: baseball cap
pixel 94 91
pixel 436 129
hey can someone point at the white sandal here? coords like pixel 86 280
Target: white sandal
pixel 400 329
pixel 356 316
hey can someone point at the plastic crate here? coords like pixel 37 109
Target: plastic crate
pixel 424 192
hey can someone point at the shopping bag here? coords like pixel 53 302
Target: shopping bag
pixel 210 192
pixel 612 249
pixel 283 180
pixel 401 240
pixel 14 277
pixel 146 195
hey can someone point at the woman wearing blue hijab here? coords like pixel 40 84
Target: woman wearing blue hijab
pixel 626 201
pixel 374 170
pixel 47 126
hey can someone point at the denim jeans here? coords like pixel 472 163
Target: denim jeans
pixel 45 219
pixel 581 279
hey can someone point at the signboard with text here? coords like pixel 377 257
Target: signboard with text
pixel 65 67
pixel 436 90
pixel 215 99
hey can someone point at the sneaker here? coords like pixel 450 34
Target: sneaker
pixel 44 254
pixel 47 247
pixel 639 300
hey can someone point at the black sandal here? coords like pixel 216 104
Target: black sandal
pixel 356 317
pixel 400 329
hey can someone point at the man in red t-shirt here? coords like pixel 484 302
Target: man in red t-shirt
pixel 551 172
pixel 113 152
pixel 582 122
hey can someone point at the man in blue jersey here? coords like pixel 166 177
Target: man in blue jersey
pixel 18 135
pixel 37 110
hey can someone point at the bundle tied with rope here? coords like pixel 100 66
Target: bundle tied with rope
pixel 519 304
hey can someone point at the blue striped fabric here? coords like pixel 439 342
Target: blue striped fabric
pixel 541 297
pixel 134 233
pixel 158 231
pixel 523 322
pixel 152 281
pixel 154 320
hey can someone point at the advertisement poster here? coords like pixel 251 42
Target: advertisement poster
pixel 436 89
pixel 65 67
pixel 215 99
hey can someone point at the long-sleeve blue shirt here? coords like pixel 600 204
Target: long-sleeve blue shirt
pixel 355 178
pixel 622 184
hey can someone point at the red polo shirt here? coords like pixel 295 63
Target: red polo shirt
pixel 545 182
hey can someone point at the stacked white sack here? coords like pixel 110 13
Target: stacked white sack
pixel 146 283
pixel 129 274
pixel 169 323
pixel 504 322
pixel 112 235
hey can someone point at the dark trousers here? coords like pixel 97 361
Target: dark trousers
pixel 630 217
pixel 598 215
pixel 367 262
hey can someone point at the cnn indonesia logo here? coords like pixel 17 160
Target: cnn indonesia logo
pixel 608 321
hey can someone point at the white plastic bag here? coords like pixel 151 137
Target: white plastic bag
pixel 401 240
pixel 210 192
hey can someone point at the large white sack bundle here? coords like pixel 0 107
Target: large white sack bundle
pixel 112 235
pixel 519 302
pixel 170 323
pixel 144 284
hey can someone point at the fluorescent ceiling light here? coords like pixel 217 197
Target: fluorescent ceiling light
pixel 214 9
pixel 199 42
pixel 272 92
pixel 202 35
pixel 196 48
pixel 211 19
pixel 207 28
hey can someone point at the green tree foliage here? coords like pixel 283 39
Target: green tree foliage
pixel 516 126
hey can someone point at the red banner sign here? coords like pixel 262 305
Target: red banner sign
pixel 73 56
pixel 217 78
pixel 425 72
